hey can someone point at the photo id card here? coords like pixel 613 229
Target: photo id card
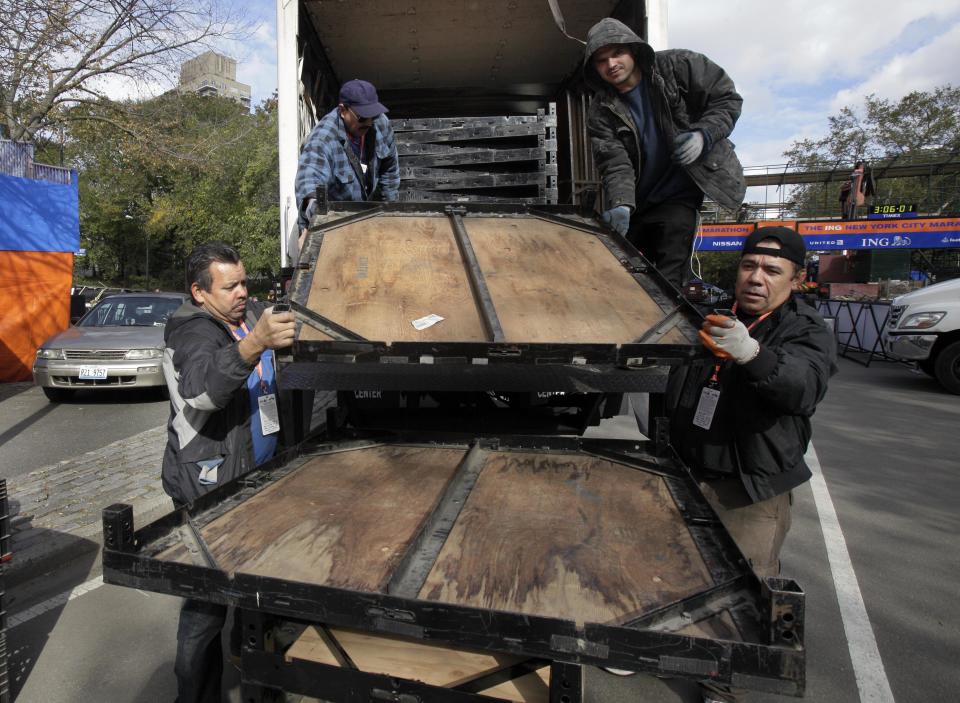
pixel 709 397
pixel 269 415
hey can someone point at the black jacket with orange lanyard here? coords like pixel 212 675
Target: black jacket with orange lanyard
pixel 761 426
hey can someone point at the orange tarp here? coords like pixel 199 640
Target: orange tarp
pixel 35 304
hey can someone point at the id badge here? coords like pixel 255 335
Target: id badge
pixel 269 415
pixel 709 397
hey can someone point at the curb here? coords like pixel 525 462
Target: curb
pixel 51 546
pixel 60 548
pixel 68 527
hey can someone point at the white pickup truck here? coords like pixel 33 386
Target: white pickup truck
pixel 924 326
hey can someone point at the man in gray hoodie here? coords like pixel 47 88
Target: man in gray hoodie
pixel 219 368
pixel 658 126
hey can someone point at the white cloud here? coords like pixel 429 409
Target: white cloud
pixel 926 68
pixel 796 63
pixel 797 41
pixel 256 55
pixel 123 88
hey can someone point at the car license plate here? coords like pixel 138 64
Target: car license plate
pixel 93 373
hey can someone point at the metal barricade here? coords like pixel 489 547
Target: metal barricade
pixel 857 326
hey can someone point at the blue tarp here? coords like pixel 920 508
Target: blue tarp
pixel 39 216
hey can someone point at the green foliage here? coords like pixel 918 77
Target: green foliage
pixel 194 169
pixel 719 268
pixel 920 128
pixel 55 55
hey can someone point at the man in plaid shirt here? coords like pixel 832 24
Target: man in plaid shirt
pixel 351 151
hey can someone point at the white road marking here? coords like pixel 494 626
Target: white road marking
pixel 57 601
pixel 867 666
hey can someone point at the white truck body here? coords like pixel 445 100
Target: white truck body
pixel 436 58
pixel 924 326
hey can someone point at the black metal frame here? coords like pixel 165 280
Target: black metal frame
pixel 769 613
pixel 434 169
pixel 5 557
pixel 489 413
pixel 268 673
pixel 482 358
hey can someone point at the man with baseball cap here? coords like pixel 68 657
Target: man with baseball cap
pixel 351 151
pixel 741 418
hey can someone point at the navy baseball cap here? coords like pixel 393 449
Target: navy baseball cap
pixel 361 97
pixel 792 247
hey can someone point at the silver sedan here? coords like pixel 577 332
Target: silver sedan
pixel 117 344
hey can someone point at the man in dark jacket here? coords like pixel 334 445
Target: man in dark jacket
pixel 219 368
pixel 742 420
pixel 659 125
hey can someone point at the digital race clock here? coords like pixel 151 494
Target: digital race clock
pixel 892 211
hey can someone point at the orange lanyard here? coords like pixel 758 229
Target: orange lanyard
pixel 716 369
pixel 243 326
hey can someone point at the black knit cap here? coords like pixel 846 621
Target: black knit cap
pixel 792 247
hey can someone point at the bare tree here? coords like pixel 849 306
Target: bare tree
pixel 58 54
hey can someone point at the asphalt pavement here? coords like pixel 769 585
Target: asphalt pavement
pixel 55 510
pixel 55 507
pixel 88 421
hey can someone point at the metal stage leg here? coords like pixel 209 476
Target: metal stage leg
pixel 257 637
pixel 566 683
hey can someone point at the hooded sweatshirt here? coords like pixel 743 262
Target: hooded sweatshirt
pixel 686 91
pixel 210 408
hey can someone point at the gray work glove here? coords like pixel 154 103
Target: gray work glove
pixel 687 147
pixel 728 338
pixel 311 209
pixel 617 219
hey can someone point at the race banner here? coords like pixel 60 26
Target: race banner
pixel 723 237
pixel 919 233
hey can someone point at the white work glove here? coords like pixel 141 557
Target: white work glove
pixel 687 147
pixel 728 338
pixel 617 219
pixel 311 209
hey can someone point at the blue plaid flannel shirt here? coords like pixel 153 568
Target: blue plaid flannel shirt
pixel 324 161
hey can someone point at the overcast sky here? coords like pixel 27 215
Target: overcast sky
pixel 795 62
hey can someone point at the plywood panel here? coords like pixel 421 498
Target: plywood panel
pixel 532 688
pixel 555 284
pixel 312 647
pixel 675 336
pixel 342 520
pixel 567 536
pixel 432 664
pixel 376 276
